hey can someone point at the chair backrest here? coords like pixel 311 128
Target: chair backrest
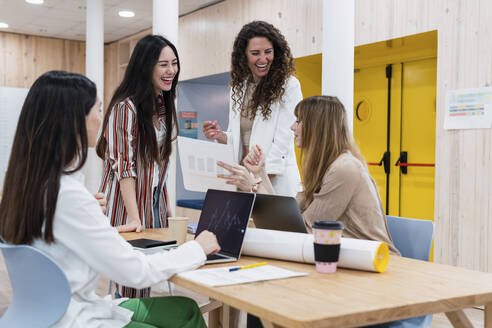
pixel 41 292
pixel 412 237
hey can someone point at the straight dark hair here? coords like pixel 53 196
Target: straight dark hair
pixel 137 85
pixel 50 140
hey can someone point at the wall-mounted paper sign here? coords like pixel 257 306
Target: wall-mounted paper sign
pixel 469 109
pixel 188 125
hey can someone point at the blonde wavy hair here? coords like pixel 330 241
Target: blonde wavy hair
pixel 325 136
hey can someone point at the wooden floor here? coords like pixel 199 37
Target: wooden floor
pixel 439 320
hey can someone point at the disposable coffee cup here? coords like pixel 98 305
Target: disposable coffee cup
pixel 178 227
pixel 327 238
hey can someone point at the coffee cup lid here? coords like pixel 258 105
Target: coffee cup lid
pixel 328 225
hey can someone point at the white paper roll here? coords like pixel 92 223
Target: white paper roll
pixel 368 255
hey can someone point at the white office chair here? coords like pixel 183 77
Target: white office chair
pixel 41 292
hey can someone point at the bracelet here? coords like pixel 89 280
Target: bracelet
pixel 255 186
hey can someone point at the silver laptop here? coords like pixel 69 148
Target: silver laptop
pixel 226 214
pixel 278 213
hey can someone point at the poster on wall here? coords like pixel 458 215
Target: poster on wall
pixel 188 124
pixel 11 101
pixel 468 109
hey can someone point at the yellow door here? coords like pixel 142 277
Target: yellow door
pixel 411 127
pixel 411 130
pixel 370 120
pixel 418 133
pixel 308 72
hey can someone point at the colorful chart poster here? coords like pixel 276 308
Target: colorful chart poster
pixel 188 124
pixel 469 109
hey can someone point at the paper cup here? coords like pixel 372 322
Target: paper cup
pixel 178 227
pixel 327 237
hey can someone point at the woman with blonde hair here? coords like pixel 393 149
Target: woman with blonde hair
pixel 337 184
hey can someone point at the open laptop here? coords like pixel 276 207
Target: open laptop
pixel 277 213
pixel 226 214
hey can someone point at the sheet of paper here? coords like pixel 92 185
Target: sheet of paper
pixel 468 109
pixel 222 276
pixel 198 160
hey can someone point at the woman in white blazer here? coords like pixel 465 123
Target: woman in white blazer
pixel 264 93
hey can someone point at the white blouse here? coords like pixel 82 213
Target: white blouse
pixel 86 245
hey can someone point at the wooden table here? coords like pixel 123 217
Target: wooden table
pixel 352 298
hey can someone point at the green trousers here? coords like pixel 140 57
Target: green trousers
pixel 164 312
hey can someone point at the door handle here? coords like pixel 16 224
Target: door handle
pixel 385 161
pixel 402 160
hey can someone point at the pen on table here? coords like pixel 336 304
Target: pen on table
pixel 248 266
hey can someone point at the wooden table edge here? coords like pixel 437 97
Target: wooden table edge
pixel 449 306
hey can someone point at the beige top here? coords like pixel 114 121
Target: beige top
pixel 246 122
pixel 348 194
pixel 246 126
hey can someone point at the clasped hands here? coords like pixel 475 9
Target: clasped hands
pixel 245 177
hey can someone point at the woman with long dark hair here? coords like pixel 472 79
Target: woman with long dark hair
pixel 138 128
pixel 264 93
pixel 45 204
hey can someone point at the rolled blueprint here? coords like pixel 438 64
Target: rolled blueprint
pixel 368 255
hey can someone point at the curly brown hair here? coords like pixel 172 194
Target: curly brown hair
pixel 271 87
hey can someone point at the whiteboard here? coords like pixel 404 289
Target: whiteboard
pixel 11 101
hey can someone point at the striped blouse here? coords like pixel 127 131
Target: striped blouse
pixel 122 161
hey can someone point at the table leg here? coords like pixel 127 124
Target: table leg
pixel 233 317
pixel 488 316
pixel 459 319
pixel 268 324
pixel 225 316
pixel 214 318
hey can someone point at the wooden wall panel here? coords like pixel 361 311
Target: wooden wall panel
pixel 3 60
pixel 110 71
pixel 24 58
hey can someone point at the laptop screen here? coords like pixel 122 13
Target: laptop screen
pixel 226 214
pixel 278 213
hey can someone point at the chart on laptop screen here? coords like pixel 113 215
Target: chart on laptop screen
pixel 226 214
pixel 226 218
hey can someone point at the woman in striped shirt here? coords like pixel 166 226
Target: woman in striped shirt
pixel 136 140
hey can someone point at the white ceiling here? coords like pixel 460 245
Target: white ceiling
pixel 65 19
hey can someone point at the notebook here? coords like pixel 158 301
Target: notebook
pixel 150 246
pixel 226 214
pixel 277 213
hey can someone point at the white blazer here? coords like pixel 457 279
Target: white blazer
pixel 275 137
pixel 86 245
